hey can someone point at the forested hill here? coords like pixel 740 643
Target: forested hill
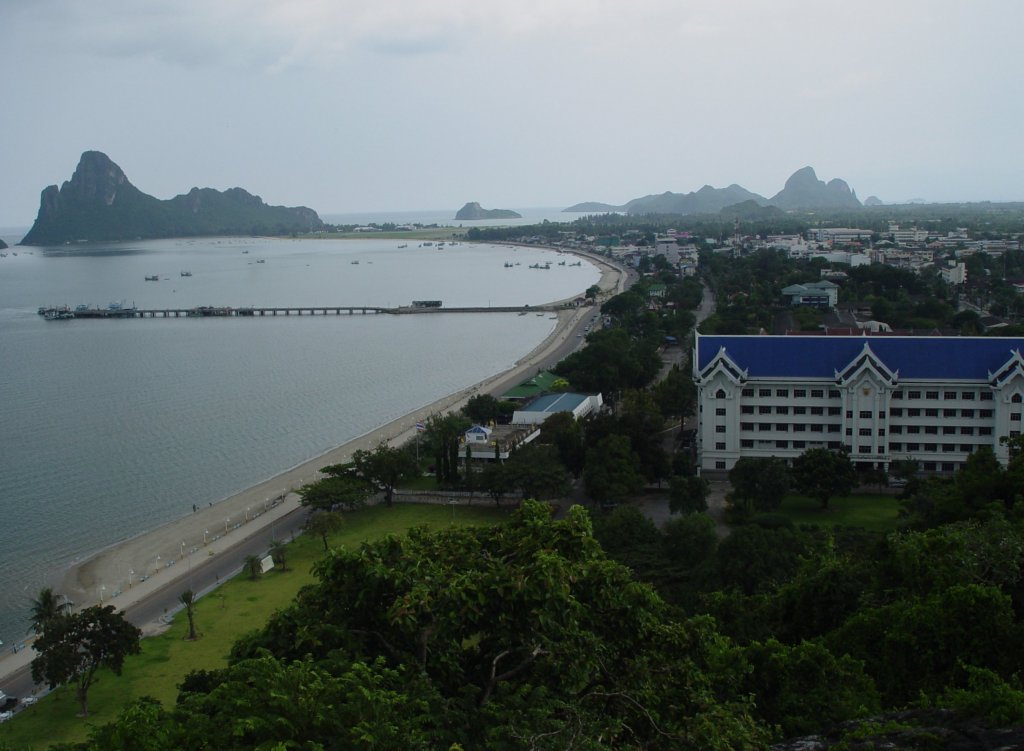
pixel 100 204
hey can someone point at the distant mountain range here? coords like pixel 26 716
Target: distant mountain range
pixel 803 190
pixel 100 204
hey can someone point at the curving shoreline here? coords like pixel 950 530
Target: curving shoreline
pixel 226 523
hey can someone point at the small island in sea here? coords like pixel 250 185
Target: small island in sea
pixel 474 210
pixel 98 203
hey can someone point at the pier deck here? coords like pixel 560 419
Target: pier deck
pixel 252 312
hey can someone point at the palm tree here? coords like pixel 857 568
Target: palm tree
pixel 324 523
pixel 278 551
pixel 187 598
pixel 48 607
pixel 254 565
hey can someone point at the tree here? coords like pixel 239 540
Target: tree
pixel 612 472
pixel 384 468
pixel 187 599
pixel 821 474
pixel 759 482
pixel 324 524
pixel 537 473
pixel 74 647
pixel 564 432
pixel 279 552
pixel 497 481
pixel 443 435
pixel 688 495
pixel 482 409
pixel 47 608
pixel 254 565
pixel 592 292
pixel 342 490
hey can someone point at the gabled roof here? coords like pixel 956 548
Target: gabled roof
pixel 946 358
pixel 533 386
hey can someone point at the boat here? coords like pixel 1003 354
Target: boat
pixel 154 278
pixel 186 273
pixel 404 245
pixel 58 314
pixel 355 263
pixel 508 265
pixel 260 260
pixel 245 252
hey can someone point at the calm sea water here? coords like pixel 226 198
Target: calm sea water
pixel 110 428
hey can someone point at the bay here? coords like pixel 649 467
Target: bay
pixel 109 428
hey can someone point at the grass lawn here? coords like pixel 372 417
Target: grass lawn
pixel 238 606
pixel 875 512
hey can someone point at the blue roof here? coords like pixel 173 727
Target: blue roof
pixel 565 402
pixel 924 357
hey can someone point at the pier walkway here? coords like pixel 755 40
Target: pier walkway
pixel 65 313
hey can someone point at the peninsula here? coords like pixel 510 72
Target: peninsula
pixel 473 210
pixel 100 204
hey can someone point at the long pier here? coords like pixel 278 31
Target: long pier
pixel 64 313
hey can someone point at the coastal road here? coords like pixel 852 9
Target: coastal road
pixel 147 613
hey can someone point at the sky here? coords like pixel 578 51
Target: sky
pixel 404 105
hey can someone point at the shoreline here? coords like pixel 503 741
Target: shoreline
pixel 114 572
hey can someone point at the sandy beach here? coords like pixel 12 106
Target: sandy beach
pixel 115 573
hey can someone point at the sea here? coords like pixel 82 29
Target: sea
pixel 109 428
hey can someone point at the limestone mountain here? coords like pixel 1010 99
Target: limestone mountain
pixel 707 200
pixel 803 190
pixel 98 203
pixel 591 207
pixel 474 210
pixel 3 245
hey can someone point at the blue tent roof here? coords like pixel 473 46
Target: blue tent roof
pixel 939 357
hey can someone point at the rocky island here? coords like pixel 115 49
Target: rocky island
pixel 100 204
pixel 473 210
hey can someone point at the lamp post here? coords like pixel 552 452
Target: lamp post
pixel 247 512
pixel 131 573
pixel 157 565
pixel 182 549
pixel 205 533
pixel 102 590
pixel 225 526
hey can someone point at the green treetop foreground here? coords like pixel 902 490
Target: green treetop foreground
pixel 520 635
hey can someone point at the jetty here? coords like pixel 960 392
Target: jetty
pixel 63 312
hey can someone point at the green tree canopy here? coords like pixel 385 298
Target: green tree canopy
pixel 384 468
pixel 822 474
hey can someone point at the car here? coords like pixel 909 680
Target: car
pixel 897 482
pixel 4 716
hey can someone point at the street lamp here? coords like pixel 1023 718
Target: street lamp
pixel 102 590
pixel 225 526
pixel 182 549
pixel 131 573
pixel 205 533
pixel 157 565
pixel 247 512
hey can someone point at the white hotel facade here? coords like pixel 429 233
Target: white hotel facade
pixel 883 399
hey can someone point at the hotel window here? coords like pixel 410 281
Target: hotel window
pixel 896 412
pixel 720 411
pixel 949 395
pixel 817 393
pixel 931 394
pixel 967 413
pixel 966 448
pixel 897 394
pixel 931 413
pixel 719 428
pixel 949 413
pixel 895 446
pixel 966 431
pixel 948 447
pixel 913 394
pixel 746 443
pixel 1015 417
pixel 913 428
pixel 799 444
pixel 748 392
pixel 763 426
pixel 881 431
pixel 849 431
pixel 986 396
pixel 747 409
pixel 799 410
pixel 799 427
pixel 1015 399
pixel 782 410
pixel 782 427
pixel 931 429
pixel 865 414
pixel 817 428
pixel 881 415
pixel 862 449
pixel 864 431
pixel 763 410
pixel 720 464
pixel 931 447
pixel 984 431
pixel 746 426
pixel 835 411
pixel 720 446
pixel 913 447
pixel 835 428
pixel 800 393
pixel 969 396
pixel 914 412
pixel 782 392
pixel 948 467
pixel 984 413
pixel 782 444
pixel 948 430
pixel 817 410
pixel 764 392
pixel 720 394
pixel 929 466
pixel 898 429
pixel 833 394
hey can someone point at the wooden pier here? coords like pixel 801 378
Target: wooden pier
pixel 64 312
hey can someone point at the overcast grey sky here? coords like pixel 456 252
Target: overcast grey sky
pixel 421 104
